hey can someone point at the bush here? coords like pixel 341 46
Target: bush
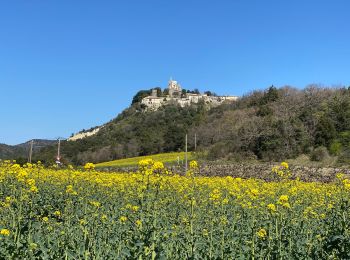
pixel 335 148
pixel 319 154
pixel 218 150
pixel 344 156
pixel 242 156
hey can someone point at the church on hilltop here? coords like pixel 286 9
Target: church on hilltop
pixel 176 94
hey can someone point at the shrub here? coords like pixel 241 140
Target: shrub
pixel 218 150
pixel 335 148
pixel 319 154
pixel 344 156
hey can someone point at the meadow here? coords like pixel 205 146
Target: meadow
pixel 174 157
pixel 50 213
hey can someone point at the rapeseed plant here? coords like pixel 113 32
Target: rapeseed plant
pixel 153 213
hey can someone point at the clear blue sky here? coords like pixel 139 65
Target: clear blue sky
pixel 67 65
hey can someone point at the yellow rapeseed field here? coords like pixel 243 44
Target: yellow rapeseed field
pixel 50 213
pixel 161 157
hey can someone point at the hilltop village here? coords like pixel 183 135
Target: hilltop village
pixel 177 95
pixel 173 94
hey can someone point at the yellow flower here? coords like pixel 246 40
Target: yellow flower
pixel 254 192
pixel 158 166
pixel 285 165
pixel 262 233
pixel 95 204
pixel 5 232
pixel 22 174
pixel 135 208
pixel 193 165
pixel 271 207
pixel 89 166
pixel 275 169
pixel 45 219
pixel 29 165
pixel 69 189
pixel 280 173
pixel 57 213
pixel 138 223
pixel 34 189
pixel 145 162
pixel 346 183
pixel 340 176
pixel 330 206
pixel 16 166
pixel 123 219
pixel 215 195
pixel 31 182
pixel 283 199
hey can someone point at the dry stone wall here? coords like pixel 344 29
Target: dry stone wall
pixel 261 171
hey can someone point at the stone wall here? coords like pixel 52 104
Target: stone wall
pixel 261 171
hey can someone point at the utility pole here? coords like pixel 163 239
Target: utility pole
pixel 186 154
pixel 58 152
pixel 31 151
pixel 195 141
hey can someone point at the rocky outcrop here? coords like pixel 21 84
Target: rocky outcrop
pixel 84 134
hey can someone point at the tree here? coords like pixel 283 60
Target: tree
pixel 159 92
pixel 166 92
pixel 140 95
pixel 325 132
pixel 196 91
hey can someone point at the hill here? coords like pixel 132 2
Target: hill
pixel 271 124
pixel 20 152
pixel 11 152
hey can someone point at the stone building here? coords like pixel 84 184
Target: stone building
pixel 153 102
pixel 174 88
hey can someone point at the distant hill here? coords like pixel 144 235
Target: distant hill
pixel 37 144
pixel 21 151
pixel 271 124
pixel 11 152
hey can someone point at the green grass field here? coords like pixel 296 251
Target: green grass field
pixel 162 157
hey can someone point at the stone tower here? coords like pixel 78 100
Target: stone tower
pixel 174 88
pixel 154 92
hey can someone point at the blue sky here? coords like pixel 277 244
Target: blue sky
pixel 68 65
